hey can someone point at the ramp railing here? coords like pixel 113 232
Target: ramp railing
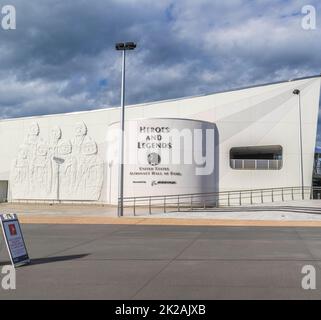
pixel 197 201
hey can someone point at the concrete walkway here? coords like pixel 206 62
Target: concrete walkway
pixel 307 210
pixel 298 213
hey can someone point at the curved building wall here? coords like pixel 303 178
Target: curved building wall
pixel 162 156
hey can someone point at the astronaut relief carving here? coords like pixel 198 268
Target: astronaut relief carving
pixel 58 169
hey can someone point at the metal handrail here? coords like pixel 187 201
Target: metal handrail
pixel 256 164
pixel 178 202
pixel 212 193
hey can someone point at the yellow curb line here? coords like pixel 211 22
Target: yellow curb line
pixel 35 219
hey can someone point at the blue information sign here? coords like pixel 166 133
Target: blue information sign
pixel 14 239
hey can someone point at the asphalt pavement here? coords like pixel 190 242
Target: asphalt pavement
pixel 165 262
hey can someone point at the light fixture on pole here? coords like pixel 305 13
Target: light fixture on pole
pixel 122 46
pixel 298 93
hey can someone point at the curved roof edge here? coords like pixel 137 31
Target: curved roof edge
pixel 161 101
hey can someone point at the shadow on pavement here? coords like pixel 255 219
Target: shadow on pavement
pixel 51 259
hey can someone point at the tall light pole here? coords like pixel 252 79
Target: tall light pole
pixel 298 93
pixel 122 47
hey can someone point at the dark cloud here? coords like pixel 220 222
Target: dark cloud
pixel 61 58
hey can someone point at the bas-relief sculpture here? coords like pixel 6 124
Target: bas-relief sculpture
pixel 58 169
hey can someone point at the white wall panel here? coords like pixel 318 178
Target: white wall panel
pixel 264 115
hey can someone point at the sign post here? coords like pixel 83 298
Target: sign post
pixel 14 239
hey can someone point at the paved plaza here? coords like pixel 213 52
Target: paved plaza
pixel 85 252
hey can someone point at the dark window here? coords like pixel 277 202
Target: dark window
pixel 256 158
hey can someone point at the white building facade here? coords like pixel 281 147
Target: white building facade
pixel 253 143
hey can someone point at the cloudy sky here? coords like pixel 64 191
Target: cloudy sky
pixel 61 56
